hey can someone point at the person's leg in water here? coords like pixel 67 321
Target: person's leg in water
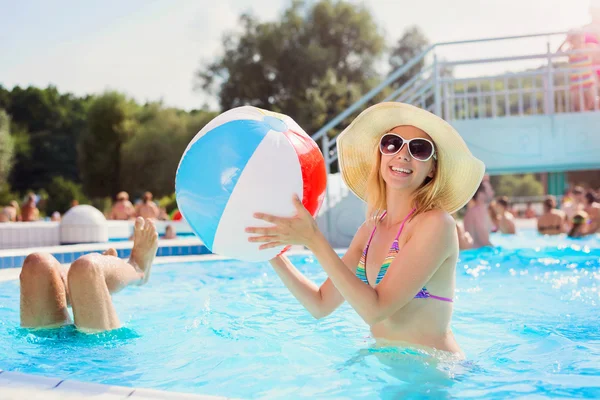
pixel 46 288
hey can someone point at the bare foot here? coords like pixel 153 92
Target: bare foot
pixel 110 252
pixel 145 244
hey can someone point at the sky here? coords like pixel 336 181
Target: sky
pixel 151 49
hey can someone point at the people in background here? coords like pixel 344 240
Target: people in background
pixel 592 208
pixel 477 219
pixel 465 241
pixel 506 221
pixel 529 211
pixel 122 209
pixel 29 211
pixel 170 232
pixel 552 221
pixel 4 215
pixel 573 202
pixel 147 208
pixel 579 225
pixel 14 211
pixel 582 76
pixel 55 216
pixel 493 216
pixel 162 214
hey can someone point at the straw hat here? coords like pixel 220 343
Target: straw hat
pixel 461 174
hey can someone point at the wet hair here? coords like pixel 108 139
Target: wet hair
pixel 549 203
pixel 591 197
pixel 578 220
pixel 503 201
pixel 479 190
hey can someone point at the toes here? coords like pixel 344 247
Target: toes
pixel 139 223
pixel 110 252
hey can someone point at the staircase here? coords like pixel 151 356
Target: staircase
pixel 508 97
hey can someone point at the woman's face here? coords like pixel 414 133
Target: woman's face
pixel 401 171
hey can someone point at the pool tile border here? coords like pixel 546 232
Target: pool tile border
pixel 14 258
pixel 17 385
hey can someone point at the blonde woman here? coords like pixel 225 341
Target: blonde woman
pixel 413 170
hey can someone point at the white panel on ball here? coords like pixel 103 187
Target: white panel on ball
pixel 275 161
pixel 239 113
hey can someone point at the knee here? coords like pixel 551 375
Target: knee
pixel 38 266
pixel 84 269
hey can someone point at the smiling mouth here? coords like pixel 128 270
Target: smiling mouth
pixel 401 171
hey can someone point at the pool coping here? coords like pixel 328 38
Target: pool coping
pixel 18 385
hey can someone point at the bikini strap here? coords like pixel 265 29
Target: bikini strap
pixel 374 228
pixel 404 221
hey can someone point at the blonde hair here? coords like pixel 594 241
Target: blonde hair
pixel 424 198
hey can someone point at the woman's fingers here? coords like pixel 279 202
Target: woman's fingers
pixel 270 245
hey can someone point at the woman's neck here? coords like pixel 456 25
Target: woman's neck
pixel 399 205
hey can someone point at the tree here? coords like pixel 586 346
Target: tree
pixel 285 65
pixel 412 43
pixel 6 147
pixel 46 126
pixel 151 157
pixel 110 123
pixel 61 193
pixel 517 186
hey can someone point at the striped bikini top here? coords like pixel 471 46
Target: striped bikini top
pixel 361 271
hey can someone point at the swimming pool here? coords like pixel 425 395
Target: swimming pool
pixel 527 319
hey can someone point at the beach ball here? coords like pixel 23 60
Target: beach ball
pixel 247 160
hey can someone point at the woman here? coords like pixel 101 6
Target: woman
pixel 552 221
pixel 413 170
pixel 579 225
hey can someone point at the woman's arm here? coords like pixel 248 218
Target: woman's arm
pixel 319 301
pixel 411 269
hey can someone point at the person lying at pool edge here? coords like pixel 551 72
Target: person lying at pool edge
pixel 48 288
pixel 413 170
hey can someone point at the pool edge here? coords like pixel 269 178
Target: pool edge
pixel 18 385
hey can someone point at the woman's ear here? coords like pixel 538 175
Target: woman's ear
pixel 431 173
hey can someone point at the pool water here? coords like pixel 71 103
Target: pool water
pixel 527 319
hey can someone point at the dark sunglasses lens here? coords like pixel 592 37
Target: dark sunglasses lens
pixel 390 144
pixel 421 149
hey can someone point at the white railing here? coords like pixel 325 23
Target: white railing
pixel 543 87
pixel 545 90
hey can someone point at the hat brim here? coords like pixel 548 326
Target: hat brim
pixel 356 146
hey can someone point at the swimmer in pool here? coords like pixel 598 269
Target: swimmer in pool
pixel 413 170
pixel 47 287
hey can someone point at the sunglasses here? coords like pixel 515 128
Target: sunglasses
pixel 420 149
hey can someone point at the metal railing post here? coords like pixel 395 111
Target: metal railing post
pixel 437 87
pixel 550 86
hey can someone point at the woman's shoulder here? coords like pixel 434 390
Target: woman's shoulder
pixel 437 218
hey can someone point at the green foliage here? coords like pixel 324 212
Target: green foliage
pixel 412 43
pixel 168 202
pixel 516 186
pixel 6 147
pixel 6 196
pixel 61 193
pixel 110 123
pixel 311 63
pixel 104 204
pixel 151 157
pixel 46 126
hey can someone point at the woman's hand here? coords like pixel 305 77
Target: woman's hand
pixel 299 230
